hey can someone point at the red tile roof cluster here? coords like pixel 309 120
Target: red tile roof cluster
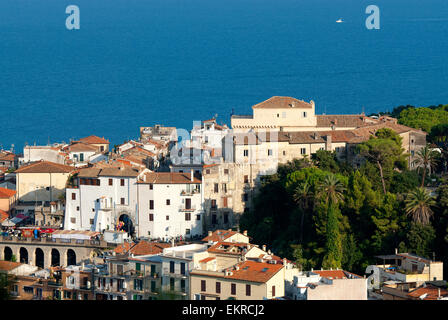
pixel 141 248
pixel 219 235
pixel 45 167
pixel 233 248
pixel 3 216
pixel 429 292
pixel 94 140
pixel 208 259
pixel 282 103
pixel 255 271
pixel 335 274
pixel 8 265
pixel 6 193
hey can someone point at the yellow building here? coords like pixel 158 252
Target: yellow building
pixel 42 181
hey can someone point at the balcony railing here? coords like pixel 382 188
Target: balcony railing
pixel 189 193
pixel 183 208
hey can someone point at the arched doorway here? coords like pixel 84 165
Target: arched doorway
pixel 71 257
pixel 55 258
pixel 23 255
pixel 39 258
pixel 7 253
pixel 125 224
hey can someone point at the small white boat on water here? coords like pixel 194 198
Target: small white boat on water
pixel 339 21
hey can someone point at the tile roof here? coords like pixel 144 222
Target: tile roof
pixel 169 178
pixel 344 120
pixel 277 102
pixel 429 292
pixel 8 265
pixel 94 172
pixel 208 259
pixel 255 271
pixel 3 215
pixel 7 156
pixel 219 235
pixel 238 248
pixel 6 193
pixel 94 140
pixel 45 167
pixel 141 248
pixel 80 146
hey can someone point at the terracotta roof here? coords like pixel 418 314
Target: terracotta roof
pixel 80 146
pixel 429 292
pixel 45 167
pixel 367 131
pixel 344 120
pixel 8 265
pixel 94 172
pixel 282 103
pixel 141 248
pixel 7 156
pixel 233 248
pixel 335 274
pixel 169 178
pixel 219 235
pixel 255 271
pixel 3 215
pixel 6 193
pixel 139 151
pixel 94 140
pixel 208 259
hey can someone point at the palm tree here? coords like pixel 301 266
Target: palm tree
pixel 418 205
pixel 302 196
pixel 426 158
pixel 331 190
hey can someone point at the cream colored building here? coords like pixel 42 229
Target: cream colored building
pixel 42 181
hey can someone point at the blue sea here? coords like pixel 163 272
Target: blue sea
pixel 140 62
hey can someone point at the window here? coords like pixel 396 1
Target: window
pixel 207 171
pixel 246 179
pixel 203 286
pixel 151 217
pixel 171 266
pixel 167 218
pixel 77 208
pixel 218 287
pixel 121 200
pixel 122 182
pixel 233 288
pixel 73 196
pixel 284 152
pixel 198 217
pixel 93 209
pixel 216 188
pixel 111 182
pixel 248 290
pixel 278 115
pixel 28 289
pixel 213 204
pixel 304 114
pixel 187 216
pixel 172 284
pixel 187 231
pixel 73 220
pixel 226 171
pixel 269 152
pixel 150 186
pixel 167 202
pixel 153 286
pixel 214 219
pixel 245 197
pixel 273 291
pixel 188 203
pixel 92 221
pixel 182 268
pixel 224 187
pixel 151 204
pixel 226 217
pixel 246 153
pixel 302 151
pixel 182 285
pixel 224 200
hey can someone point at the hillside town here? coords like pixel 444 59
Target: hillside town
pixel 160 217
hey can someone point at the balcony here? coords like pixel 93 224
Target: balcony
pixel 55 283
pixel 191 209
pixel 189 193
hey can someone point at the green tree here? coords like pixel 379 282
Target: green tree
pixel 418 205
pixel 420 239
pixel 303 195
pixel 426 159
pixel 4 287
pixel 331 191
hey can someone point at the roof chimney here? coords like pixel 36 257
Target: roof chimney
pixel 245 233
pixel 264 248
pixel 396 251
pixel 191 175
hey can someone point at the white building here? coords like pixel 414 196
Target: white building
pixel 102 197
pixel 170 205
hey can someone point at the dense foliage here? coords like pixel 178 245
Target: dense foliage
pixel 322 212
